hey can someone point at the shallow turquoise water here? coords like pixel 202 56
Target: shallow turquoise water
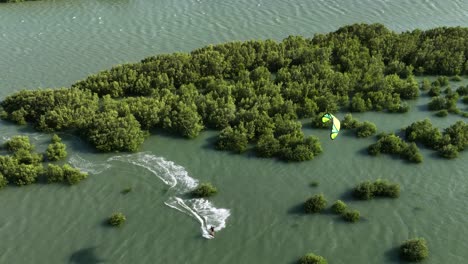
pixel 55 43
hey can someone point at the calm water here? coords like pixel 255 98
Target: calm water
pixel 55 43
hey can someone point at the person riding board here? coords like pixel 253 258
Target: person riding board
pixel 212 231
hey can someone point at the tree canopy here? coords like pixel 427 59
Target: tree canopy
pixel 252 91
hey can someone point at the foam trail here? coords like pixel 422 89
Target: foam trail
pixel 169 172
pixel 203 211
pixel 177 178
pixel 87 166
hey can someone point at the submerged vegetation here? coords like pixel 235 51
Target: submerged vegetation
pixel 311 258
pixel 254 92
pixel 414 250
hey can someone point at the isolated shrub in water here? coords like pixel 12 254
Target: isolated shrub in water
pixel 367 190
pixel 414 250
pixel 311 258
pixel 339 207
pixel 437 103
pixel 315 204
pixel 366 129
pixel 117 219
pixel 442 113
pixel 205 190
pixel 351 216
pixel 449 151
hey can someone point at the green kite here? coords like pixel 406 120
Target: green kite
pixel 336 124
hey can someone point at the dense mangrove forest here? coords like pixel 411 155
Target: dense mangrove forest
pixel 255 92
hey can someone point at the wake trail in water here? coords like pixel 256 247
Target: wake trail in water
pixel 87 166
pixel 179 180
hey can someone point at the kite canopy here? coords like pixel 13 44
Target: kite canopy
pixel 335 124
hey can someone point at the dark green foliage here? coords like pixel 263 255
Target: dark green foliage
pixel 109 132
pixel 434 91
pixel 68 174
pixel 465 99
pixel 462 90
pixel 380 188
pixel 437 103
pixel 448 144
pixel 456 78
pixel 457 135
pixel 54 173
pixel 315 204
pixel 442 113
pixel 425 85
pixel 117 219
pixel 314 184
pixel 57 150
pixel 311 258
pixel 441 81
pixel 230 86
pixel 19 142
pixel 349 122
pixel 236 140
pixel 394 145
pixel 414 250
pixel 411 153
pixel 27 157
pixel 366 129
pixel 424 132
pixel 267 146
pixel 205 190
pixel 351 216
pixel 3 181
pixel 339 207
pixel 127 190
pixel 73 175
pixel 449 151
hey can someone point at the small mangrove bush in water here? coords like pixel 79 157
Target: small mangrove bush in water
pixel 205 190
pixel 311 258
pixel 380 188
pixel 414 250
pixel 315 204
pixel 448 143
pixel 351 216
pixel 339 207
pixel 394 145
pixel 117 219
